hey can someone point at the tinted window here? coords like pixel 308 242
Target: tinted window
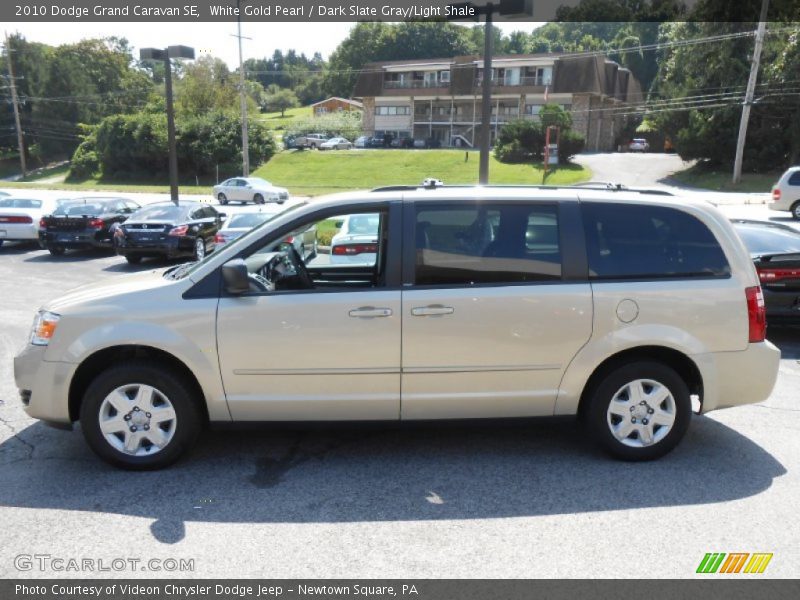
pixel 635 241
pixel 794 178
pixel 160 213
pixel 479 244
pixel 79 208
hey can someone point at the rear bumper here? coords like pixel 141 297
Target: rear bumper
pixel 737 378
pixel 75 239
pixel 11 232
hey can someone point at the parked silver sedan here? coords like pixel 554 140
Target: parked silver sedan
pixel 249 189
pixel 304 242
pixel 337 143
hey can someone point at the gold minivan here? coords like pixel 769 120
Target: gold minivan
pixel 628 309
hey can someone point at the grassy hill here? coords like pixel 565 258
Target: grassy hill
pixel 275 121
pixel 313 172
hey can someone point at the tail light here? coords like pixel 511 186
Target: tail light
pixel 42 224
pixel 179 231
pixel 219 239
pixel 772 275
pixel 756 314
pixel 353 249
pixel 96 224
pixel 776 195
pixel 16 219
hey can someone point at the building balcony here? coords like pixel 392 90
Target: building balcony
pixel 414 84
pixel 521 82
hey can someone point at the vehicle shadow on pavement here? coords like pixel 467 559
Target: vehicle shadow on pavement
pixel 69 256
pixel 352 474
pixel 787 338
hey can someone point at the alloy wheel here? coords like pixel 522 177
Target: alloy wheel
pixel 137 419
pixel 641 413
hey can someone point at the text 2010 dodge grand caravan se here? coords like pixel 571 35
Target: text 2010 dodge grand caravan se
pixel 470 303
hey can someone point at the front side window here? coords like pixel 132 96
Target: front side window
pixel 343 252
pixel 626 241
pixel 480 244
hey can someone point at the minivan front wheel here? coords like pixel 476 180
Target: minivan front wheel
pixel 640 411
pixel 139 416
pixel 796 210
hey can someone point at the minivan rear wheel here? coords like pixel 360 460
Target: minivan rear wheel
pixel 139 416
pixel 639 411
pixel 796 210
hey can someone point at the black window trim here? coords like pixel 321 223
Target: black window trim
pixel 574 263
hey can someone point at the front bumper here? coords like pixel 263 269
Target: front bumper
pixel 737 378
pixel 171 248
pixel 44 385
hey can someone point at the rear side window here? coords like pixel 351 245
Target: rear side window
pixel 497 244
pixel 794 178
pixel 642 242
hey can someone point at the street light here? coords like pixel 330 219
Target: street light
pixel 166 55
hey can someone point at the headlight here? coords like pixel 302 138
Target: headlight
pixel 44 327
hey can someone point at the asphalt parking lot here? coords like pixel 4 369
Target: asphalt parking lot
pixel 529 500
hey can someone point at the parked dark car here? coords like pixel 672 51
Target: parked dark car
pixel 84 223
pixel 375 142
pixel 775 250
pixel 169 231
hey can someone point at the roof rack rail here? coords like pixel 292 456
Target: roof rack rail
pixel 430 184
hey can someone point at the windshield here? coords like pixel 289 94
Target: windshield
pixel 767 240
pixel 159 213
pixel 259 181
pixel 20 203
pixel 78 208
pixel 248 220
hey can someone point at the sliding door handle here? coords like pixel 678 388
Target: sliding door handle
pixel 432 310
pixel 370 312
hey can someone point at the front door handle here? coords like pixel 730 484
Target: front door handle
pixel 433 310
pixel 370 312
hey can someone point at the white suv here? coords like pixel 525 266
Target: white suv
pixel 786 192
pixel 616 306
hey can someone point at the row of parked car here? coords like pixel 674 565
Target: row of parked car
pixel 163 230
pixel 320 141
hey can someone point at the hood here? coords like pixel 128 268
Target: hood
pixel 103 290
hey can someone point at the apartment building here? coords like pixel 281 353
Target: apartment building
pixel 441 98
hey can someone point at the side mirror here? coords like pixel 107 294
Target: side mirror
pixel 234 274
pixel 222 216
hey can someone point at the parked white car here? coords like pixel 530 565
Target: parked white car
pixel 19 218
pixel 639 145
pixel 361 141
pixel 337 143
pixel 356 242
pixel 249 189
pixel 786 192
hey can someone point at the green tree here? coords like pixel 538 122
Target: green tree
pixel 280 100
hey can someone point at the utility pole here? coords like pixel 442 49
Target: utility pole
pixel 13 85
pixel 751 86
pixel 242 96
pixel 486 100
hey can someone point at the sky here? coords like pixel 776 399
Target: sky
pixel 212 38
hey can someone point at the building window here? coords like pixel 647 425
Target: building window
pixel 444 76
pixel 392 111
pixel 533 109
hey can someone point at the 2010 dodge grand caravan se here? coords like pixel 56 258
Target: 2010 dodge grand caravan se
pixel 478 302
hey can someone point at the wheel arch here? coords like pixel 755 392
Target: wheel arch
pixel 99 361
pixel 682 364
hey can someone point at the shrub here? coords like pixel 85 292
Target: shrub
pixel 570 143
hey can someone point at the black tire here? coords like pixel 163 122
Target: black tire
pixel 188 420
pixel 603 393
pixel 198 248
pixel 796 210
pixel 132 259
pixel 56 250
pixel 223 199
pixel 258 199
pixel 313 146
